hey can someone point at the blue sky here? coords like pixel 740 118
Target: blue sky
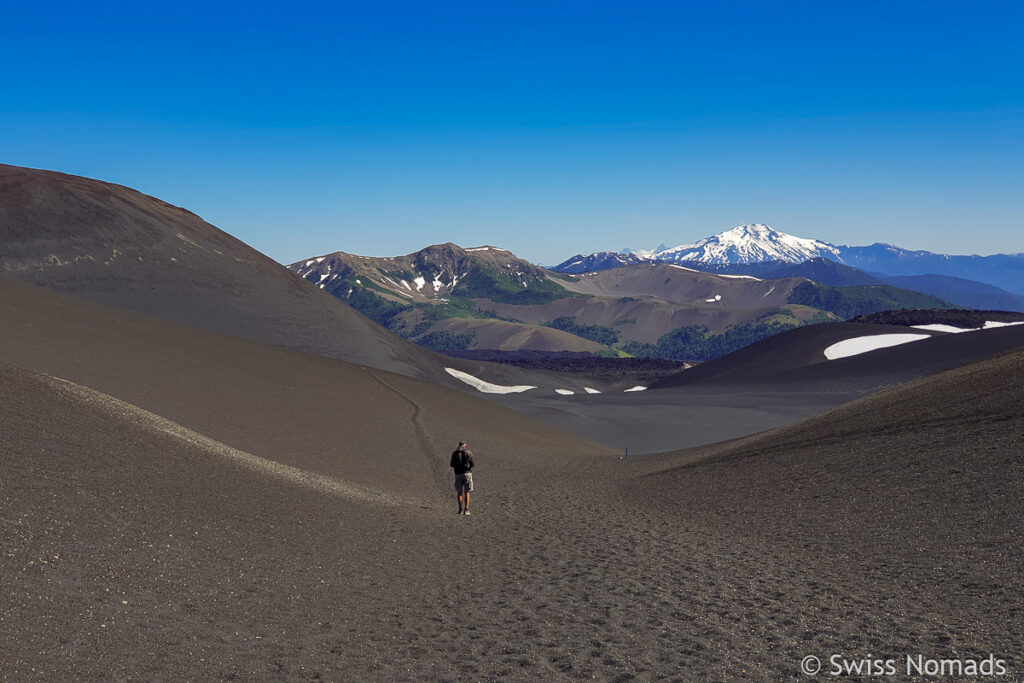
pixel 544 127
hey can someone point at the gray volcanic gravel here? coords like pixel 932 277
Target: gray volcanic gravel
pixel 885 527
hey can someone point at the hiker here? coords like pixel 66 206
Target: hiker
pixel 462 462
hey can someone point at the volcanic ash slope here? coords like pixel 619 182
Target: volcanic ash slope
pixel 889 525
pixel 114 245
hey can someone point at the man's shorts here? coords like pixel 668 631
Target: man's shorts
pixel 464 482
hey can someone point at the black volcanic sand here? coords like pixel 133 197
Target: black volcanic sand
pixel 229 510
pixel 889 526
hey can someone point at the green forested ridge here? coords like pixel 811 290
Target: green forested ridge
pixel 487 282
pixel 847 302
pixel 595 333
pixel 696 342
pixel 446 342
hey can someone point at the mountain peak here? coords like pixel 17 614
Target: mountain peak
pixel 751 243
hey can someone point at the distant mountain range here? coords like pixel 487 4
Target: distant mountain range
pixel 452 299
pixel 752 246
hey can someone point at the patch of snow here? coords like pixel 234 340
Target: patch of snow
pixel 859 345
pixel 321 259
pixel 564 392
pixel 943 328
pixel 716 297
pixel 308 263
pixel 739 277
pixel 358 281
pixel 989 324
pixel 672 265
pixel 768 292
pixel 323 277
pixel 395 285
pixel 437 282
pixel 420 281
pixel 636 388
pixel 591 391
pixel 479 249
pixel 487 387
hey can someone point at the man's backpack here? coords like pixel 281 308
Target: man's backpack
pixel 460 460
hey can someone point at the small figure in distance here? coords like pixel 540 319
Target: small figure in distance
pixel 462 463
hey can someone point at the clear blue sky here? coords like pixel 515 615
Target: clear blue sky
pixel 544 127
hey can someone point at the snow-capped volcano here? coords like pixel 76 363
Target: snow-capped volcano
pixel 747 244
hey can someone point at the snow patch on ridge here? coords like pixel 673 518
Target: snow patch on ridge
pixel 564 392
pixel 487 387
pixel 873 342
pixel 636 388
pixel 989 325
pixel 943 328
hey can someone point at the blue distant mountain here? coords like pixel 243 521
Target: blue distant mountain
pixel 745 246
pixel 1005 271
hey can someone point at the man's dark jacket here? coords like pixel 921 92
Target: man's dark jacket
pixel 462 461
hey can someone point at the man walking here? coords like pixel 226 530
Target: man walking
pixel 462 463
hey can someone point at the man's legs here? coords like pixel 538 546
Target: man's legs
pixel 459 495
pixel 467 501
